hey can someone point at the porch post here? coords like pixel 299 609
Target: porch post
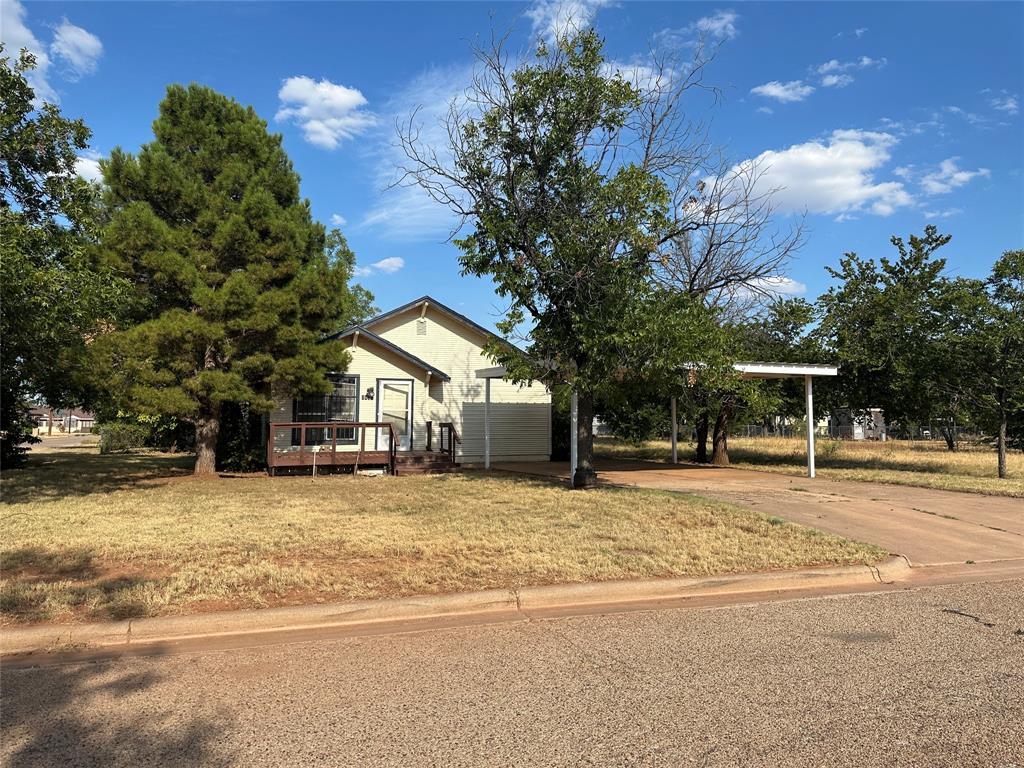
pixel 573 438
pixel 675 434
pixel 809 390
pixel 487 423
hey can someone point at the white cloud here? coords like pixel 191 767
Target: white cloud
pixel 406 212
pixel 836 81
pixel 390 265
pixel 552 19
pixel 971 117
pixel 644 76
pixel 721 25
pixel 794 90
pixel 386 266
pixel 88 167
pixel 338 220
pixel 78 48
pixel 859 32
pixel 949 176
pixel 943 214
pixel 766 110
pixel 835 73
pixel 17 35
pixel 779 286
pixel 328 113
pixel 1008 104
pixel 834 175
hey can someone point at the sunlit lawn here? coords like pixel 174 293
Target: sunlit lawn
pixel 88 536
pixel 922 463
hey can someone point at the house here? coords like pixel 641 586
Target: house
pixel 418 373
pixel 858 425
pixel 64 420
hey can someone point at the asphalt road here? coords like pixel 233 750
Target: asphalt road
pixel 931 677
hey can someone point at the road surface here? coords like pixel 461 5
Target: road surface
pixel 932 676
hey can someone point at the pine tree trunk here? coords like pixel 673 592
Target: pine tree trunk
pixel 701 454
pixel 586 475
pixel 207 429
pixel 1001 439
pixel 720 442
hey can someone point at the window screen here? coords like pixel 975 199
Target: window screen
pixel 342 404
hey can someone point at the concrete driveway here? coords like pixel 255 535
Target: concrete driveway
pixel 929 527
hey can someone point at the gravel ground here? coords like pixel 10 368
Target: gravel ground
pixel 928 677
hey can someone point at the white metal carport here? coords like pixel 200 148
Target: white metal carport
pixel 747 370
pixel 806 371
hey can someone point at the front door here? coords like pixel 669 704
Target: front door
pixel 394 406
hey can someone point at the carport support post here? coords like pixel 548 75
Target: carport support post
pixel 487 423
pixel 809 389
pixel 675 434
pixel 573 438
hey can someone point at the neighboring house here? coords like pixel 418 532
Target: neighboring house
pixel 64 419
pixel 867 425
pixel 413 366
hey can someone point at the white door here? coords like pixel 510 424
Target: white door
pixel 394 406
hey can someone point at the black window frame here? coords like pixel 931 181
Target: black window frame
pixel 305 410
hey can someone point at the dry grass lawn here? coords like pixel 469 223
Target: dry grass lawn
pixel 89 536
pixel 923 464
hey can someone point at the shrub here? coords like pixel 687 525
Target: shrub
pixel 121 437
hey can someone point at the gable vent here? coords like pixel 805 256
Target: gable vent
pixel 421 327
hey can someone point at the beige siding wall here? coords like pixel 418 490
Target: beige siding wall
pixel 520 416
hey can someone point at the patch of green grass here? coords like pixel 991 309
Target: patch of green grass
pixel 125 536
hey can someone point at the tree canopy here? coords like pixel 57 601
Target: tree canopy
pixel 54 296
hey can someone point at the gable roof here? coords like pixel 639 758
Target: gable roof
pixel 442 308
pixel 391 347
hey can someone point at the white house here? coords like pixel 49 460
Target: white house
pixel 414 368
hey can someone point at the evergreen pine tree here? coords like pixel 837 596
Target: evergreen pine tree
pixel 234 282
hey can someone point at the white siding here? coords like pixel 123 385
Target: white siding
pixel 520 416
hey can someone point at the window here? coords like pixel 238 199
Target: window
pixel 342 404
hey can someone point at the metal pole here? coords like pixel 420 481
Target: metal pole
pixel 573 437
pixel 675 434
pixel 809 389
pixel 487 424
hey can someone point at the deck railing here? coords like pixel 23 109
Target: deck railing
pixel 329 444
pixel 448 428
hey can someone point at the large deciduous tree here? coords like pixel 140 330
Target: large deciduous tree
pixel 234 282
pixel 54 297
pixel 577 181
pixel 886 325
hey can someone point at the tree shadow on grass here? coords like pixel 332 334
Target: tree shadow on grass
pixel 102 714
pixel 39 582
pixel 69 473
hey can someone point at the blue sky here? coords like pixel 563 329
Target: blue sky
pixel 874 118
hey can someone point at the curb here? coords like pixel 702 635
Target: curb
pixel 493 602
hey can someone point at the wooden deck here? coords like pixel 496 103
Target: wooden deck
pixel 330 447
pixel 326 445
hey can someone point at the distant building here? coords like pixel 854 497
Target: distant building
pixel 65 420
pixel 858 425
